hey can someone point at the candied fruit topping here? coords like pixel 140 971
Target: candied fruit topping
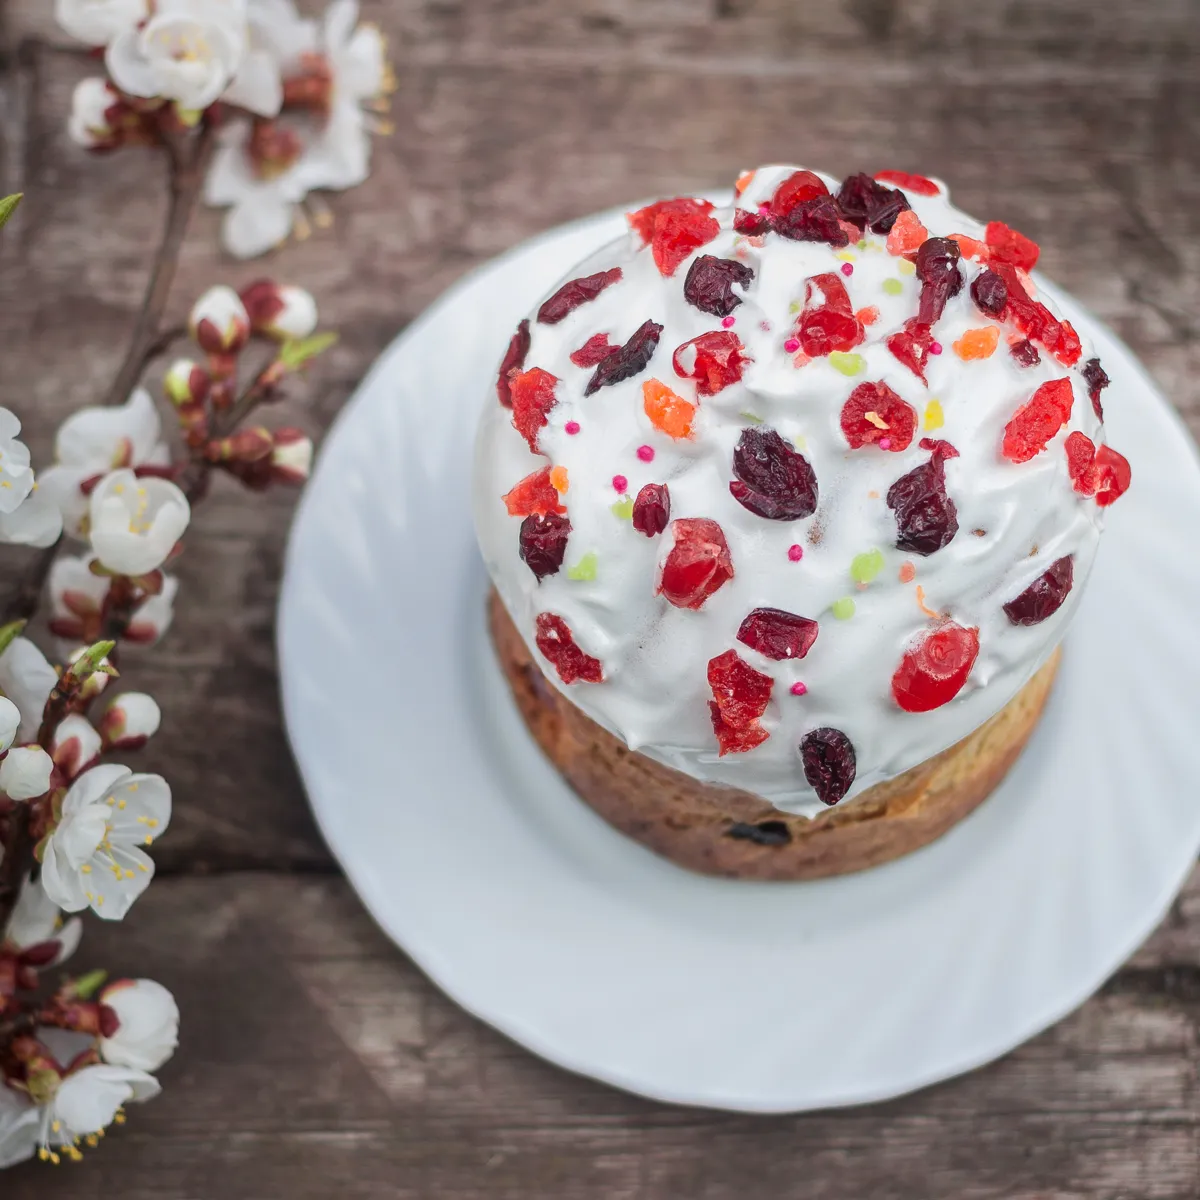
pixel 543 542
pixel 938 271
pixel 1038 420
pixel 978 343
pixel 910 346
pixel 907 234
pixel 709 284
pixel 827 322
pixel 595 350
pixel 773 479
pixel 926 516
pixel 917 184
pixel 751 224
pixel 644 219
pixel 1036 321
pixel 676 228
pixel 574 293
pixel 798 187
pixel 697 564
pixel 934 669
pixel 1025 353
pixel 668 411
pixel 990 293
pixel 628 360
pixel 714 360
pixel 559 479
pixel 863 202
pixel 970 248
pixel 1044 596
pixel 875 414
pixel 1007 245
pixel 513 360
pixel 1096 378
pixel 830 763
pixel 534 494
pixel 557 643
pixel 652 509
pixel 778 634
pixel 762 833
pixel 815 220
pixel 533 397
pixel 1097 471
pixel 740 697
pixel 1081 460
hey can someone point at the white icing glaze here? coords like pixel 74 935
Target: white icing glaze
pixel 655 692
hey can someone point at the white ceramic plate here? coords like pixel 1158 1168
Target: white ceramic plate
pixel 533 914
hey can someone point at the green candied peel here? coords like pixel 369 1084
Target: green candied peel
pixel 866 567
pixel 848 364
pixel 843 609
pixel 623 509
pixel 893 287
pixel 749 416
pixel 584 571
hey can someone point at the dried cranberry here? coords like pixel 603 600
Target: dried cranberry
pixel 644 219
pixel 534 494
pixel 595 350
pixel 934 669
pixel 815 220
pixel 763 833
pixel 1044 596
pixel 652 509
pixel 990 293
pixel 1113 476
pixel 910 183
pixel 709 284
pixel 631 359
pixel 1025 354
pixel 864 202
pixel 719 361
pixel 926 517
pixel 777 634
pixel 543 542
pixel 796 189
pixel 697 564
pixel 1008 246
pixel 827 322
pixel 533 397
pixel 751 224
pixel 893 420
pixel 740 696
pixel 1038 420
pixel 911 346
pixel 830 763
pixel 938 271
pixel 773 480
pixel 1096 378
pixel 555 640
pixel 578 291
pixel 513 360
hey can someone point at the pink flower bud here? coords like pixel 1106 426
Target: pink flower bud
pixel 291 457
pixel 130 721
pixel 76 746
pixel 186 382
pixel 25 773
pixel 280 311
pixel 219 322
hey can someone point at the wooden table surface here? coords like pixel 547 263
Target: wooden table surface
pixel 316 1060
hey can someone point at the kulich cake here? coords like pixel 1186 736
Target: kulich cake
pixel 787 506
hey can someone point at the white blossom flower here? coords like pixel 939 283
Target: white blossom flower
pixel 97 22
pixel 20 1127
pixel 25 772
pixel 36 921
pixel 26 679
pixel 96 108
pixel 149 1024
pixel 93 857
pixel 27 517
pixel 88 1101
pixel 96 440
pixel 280 311
pixel 77 596
pixel 76 746
pixel 219 321
pixel 135 523
pixel 10 722
pixel 130 721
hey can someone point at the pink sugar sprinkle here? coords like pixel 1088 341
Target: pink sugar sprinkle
pixel 764 208
pixel 847 268
pixel 935 347
pixel 728 322
pixel 620 483
pixel 791 345
pixel 885 443
pixel 798 689
pixel 572 427
pixel 646 453
pixel 795 553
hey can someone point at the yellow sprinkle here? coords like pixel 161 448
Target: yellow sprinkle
pixel 934 417
pixel 876 420
pixel 905 267
pixel 846 256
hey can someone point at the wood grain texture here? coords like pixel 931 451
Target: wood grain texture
pixel 317 1061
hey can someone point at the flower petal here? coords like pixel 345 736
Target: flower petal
pixel 62 882
pixel 103 439
pixel 257 86
pixel 257 224
pixel 26 679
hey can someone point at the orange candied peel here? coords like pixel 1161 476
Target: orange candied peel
pixel 868 315
pixel 558 479
pixel 906 234
pixel 743 182
pixel 978 343
pixel 970 248
pixel 668 411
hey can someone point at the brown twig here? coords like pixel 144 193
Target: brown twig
pixel 16 863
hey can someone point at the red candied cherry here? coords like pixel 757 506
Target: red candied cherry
pixel 926 516
pixel 830 763
pixel 1081 463
pixel 827 322
pixel 1035 320
pixel 798 187
pixel 543 542
pixel 674 228
pixel 874 413
pixel 740 697
pixel 697 565
pixel 1113 476
pixel 644 219
pixel 1009 246
pixel 863 202
pixel 917 184
pixel 513 360
pixel 556 641
pixel 652 509
pixel 533 397
pixel 935 667
pixel 1038 420
pixel 709 284
pixel 773 479
pixel 628 360
pixel 534 494
pixel 574 293
pixel 778 634
pixel 1044 596
pixel 911 346
pixel 595 350
pixel 714 360
pixel 1096 378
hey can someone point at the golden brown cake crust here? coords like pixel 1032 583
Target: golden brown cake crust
pixel 690 822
